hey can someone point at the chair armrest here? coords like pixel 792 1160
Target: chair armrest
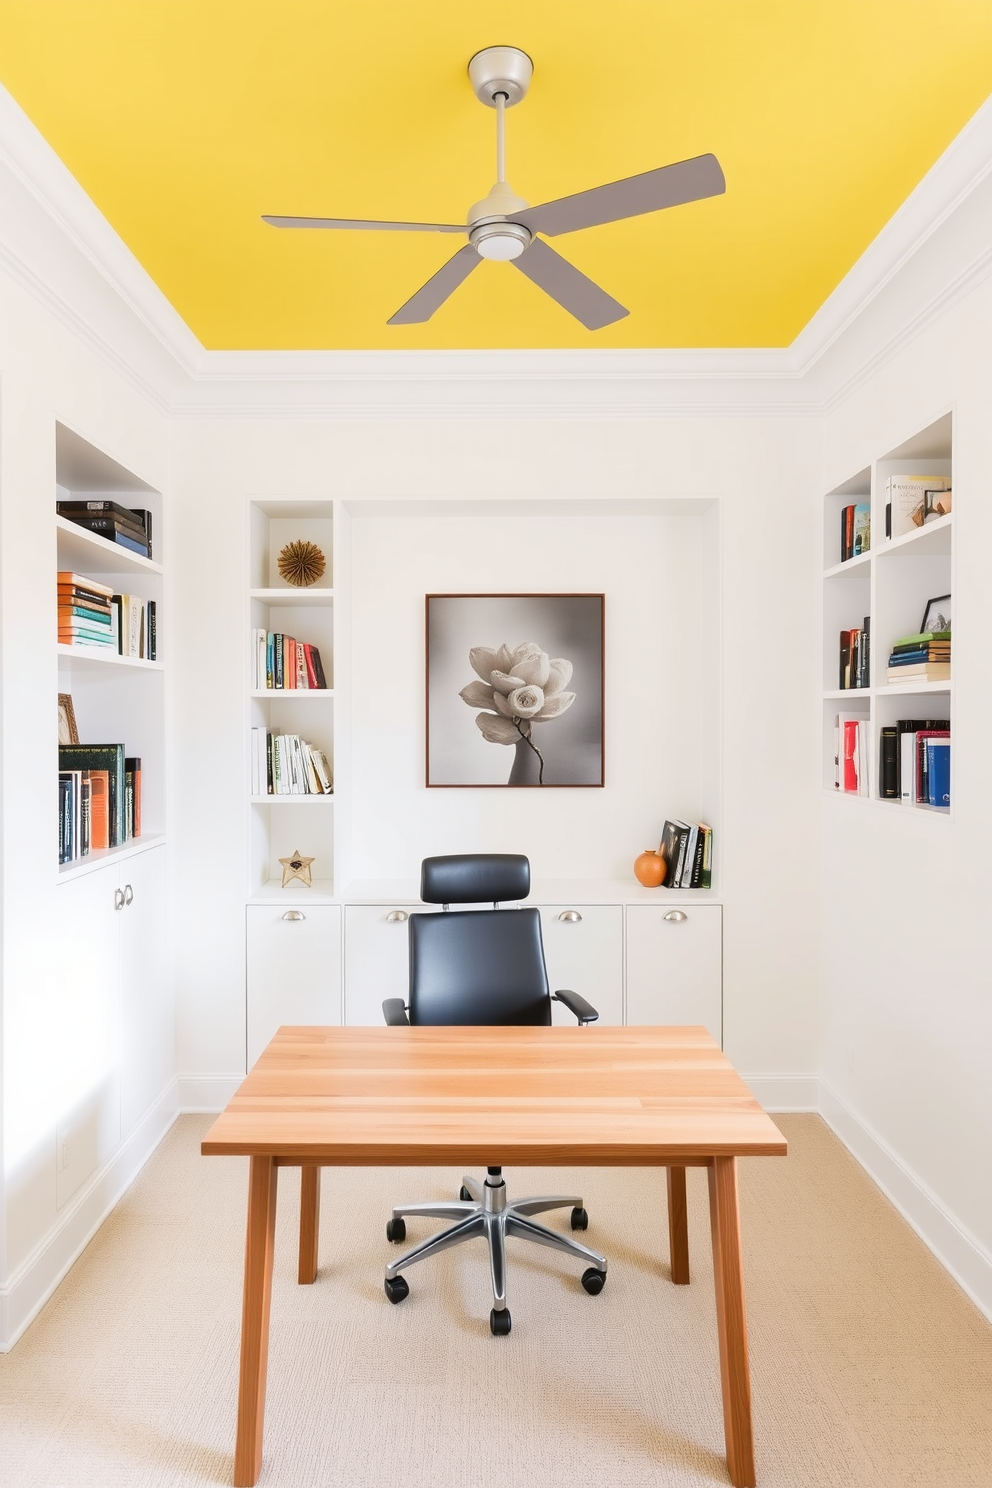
pixel 584 1011
pixel 394 1012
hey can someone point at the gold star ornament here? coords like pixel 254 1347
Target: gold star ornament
pixel 296 866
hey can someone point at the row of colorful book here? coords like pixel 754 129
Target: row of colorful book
pixel 91 614
pixel 286 765
pixel 128 527
pixel 855 656
pixel 855 530
pixel 283 663
pixel 923 657
pixel 687 848
pixel 99 798
pixel 914 762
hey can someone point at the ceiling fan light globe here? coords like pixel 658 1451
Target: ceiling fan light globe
pixel 501 241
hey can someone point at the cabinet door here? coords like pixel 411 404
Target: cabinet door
pixel 376 960
pixel 294 969
pixel 586 956
pixel 85 1031
pixel 674 966
pixel 148 1035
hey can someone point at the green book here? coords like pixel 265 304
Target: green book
pixel 109 757
pixel 923 635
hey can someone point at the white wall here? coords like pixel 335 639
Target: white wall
pixel 907 978
pixel 763 473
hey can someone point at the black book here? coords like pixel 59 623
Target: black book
pixel 99 506
pixel 671 838
pixel 845 658
pixel 318 669
pixel 277 660
pixel 697 861
pixel 151 639
pixel 888 763
pixel 65 817
pixel 865 675
pixel 145 517
pixel 109 757
pixel 106 524
pixel 268 764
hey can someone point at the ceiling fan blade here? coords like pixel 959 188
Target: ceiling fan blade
pixel 668 186
pixel 364 224
pixel 569 286
pixel 421 306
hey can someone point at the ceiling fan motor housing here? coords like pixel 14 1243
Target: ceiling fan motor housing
pixel 500 69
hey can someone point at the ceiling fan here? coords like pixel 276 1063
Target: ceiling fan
pixel 502 225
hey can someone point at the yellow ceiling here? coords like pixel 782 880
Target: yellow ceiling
pixel 185 120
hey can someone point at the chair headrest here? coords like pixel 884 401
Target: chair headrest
pixel 474 878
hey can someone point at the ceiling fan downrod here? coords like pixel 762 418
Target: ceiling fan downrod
pixel 500 77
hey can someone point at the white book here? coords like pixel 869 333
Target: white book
pixel 905 494
pixel 323 771
pixel 907 767
pixel 685 877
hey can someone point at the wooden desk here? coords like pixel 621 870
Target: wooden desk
pixel 451 1096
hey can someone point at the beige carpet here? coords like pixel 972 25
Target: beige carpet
pixel 870 1368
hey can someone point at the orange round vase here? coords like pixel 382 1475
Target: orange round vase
pixel 650 868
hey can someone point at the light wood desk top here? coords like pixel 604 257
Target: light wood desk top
pixel 424 1096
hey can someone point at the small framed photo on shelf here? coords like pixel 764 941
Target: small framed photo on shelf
pixel 68 732
pixel 936 504
pixel 937 615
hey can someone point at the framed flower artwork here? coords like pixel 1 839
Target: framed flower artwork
pixel 515 690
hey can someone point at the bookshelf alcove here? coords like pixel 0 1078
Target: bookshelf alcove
pixel 280 824
pixel 890 584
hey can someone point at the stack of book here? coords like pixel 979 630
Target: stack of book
pixel 283 663
pixel 99 798
pixel 924 657
pixel 687 848
pixel 286 765
pixel 85 617
pixel 915 762
pixel 855 656
pixel 135 625
pixel 851 754
pixel 855 530
pixel 913 500
pixel 128 527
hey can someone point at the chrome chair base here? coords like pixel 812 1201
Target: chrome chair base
pixel 488 1215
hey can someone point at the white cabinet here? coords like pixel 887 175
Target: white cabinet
pixel 376 960
pixel 148 1036
pixel 294 968
pixel 113 1038
pixel 674 965
pixel 583 948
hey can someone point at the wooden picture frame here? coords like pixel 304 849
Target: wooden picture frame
pixel 68 732
pixel 521 671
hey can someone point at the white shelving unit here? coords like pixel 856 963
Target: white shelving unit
pixel 891 583
pixel 116 699
pixel 280 825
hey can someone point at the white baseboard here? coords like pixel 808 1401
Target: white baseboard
pixel 785 1092
pixel 34 1282
pixel 958 1252
pixel 206 1092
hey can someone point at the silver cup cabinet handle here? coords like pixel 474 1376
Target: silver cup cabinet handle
pixel 118 899
pixel 294 914
pixel 397 917
pixel 677 916
pixel 570 917
pixel 128 894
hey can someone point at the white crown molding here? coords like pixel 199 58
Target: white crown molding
pixel 803 379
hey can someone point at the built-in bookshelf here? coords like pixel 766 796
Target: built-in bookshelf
pixel 293 820
pixel 116 699
pixel 885 590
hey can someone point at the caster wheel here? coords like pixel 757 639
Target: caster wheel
pixel 396 1231
pixel 580 1219
pixel 593 1281
pixel 464 1195
pixel 499 1322
pixel 396 1289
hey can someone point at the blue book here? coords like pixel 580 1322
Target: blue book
pixel 128 542
pixel 906 657
pixel 939 771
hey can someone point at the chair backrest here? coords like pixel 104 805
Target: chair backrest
pixel 477 966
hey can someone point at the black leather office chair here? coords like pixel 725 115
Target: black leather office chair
pixel 483 967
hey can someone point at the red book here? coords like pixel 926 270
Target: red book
pixel 99 809
pixel 311 669
pixel 289 662
pixel 850 777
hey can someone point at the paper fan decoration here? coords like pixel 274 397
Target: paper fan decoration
pixel 301 563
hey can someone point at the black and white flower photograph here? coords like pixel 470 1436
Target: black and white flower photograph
pixel 515 689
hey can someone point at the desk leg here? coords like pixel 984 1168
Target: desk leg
pixel 309 1222
pixel 678 1227
pixel 728 1269
pixel 259 1249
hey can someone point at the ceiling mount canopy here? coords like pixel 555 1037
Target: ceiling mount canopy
pixel 502 226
